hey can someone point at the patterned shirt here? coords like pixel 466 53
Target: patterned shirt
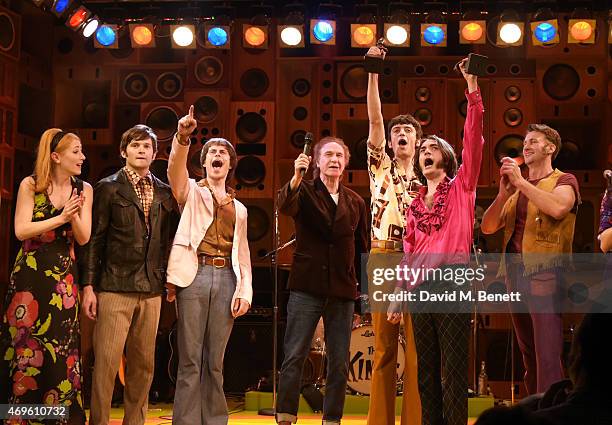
pixel 392 193
pixel 143 186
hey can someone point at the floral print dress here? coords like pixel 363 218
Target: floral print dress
pixel 40 326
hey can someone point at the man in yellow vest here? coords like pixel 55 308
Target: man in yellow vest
pixel 538 215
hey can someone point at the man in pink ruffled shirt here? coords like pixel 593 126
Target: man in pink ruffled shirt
pixel 439 233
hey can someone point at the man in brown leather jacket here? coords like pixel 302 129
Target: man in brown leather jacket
pixel 125 264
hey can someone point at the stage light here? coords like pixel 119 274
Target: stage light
pixel 510 33
pixel 255 36
pixel 397 34
pixel 291 36
pixel 581 31
pixel 323 31
pixel 183 36
pixel 76 20
pixel 106 37
pixel 90 26
pixel 60 6
pixel 433 35
pixel 545 33
pixel 472 32
pixel 217 36
pixel 363 35
pixel 142 35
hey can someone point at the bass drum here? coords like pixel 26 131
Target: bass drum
pixel 361 359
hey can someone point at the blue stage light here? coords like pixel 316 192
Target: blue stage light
pixel 217 36
pixel 60 6
pixel 106 36
pixel 545 32
pixel 323 31
pixel 434 34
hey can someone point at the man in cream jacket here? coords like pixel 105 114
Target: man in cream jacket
pixel 211 267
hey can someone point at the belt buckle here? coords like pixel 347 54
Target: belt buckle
pixel 220 263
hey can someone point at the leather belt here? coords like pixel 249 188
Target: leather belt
pixel 389 245
pixel 218 262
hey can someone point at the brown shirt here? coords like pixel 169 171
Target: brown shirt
pixel 219 237
pixel 143 186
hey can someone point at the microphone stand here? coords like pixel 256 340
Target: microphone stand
pixel 274 263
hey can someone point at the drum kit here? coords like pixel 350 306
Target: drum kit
pixel 361 358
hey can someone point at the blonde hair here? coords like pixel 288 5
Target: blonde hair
pixel 43 165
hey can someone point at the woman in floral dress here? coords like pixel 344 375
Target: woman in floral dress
pixel 40 325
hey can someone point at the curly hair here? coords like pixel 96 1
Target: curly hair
pixel 448 157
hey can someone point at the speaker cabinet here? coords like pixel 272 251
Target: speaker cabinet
pixel 248 356
pixel 512 109
pixel 10 31
pixel 260 228
pixel 162 117
pixel 208 69
pixel 352 82
pixel 298 102
pixel 151 84
pixel 100 162
pixel 8 82
pixel 351 124
pixel 8 126
pixel 7 156
pixel 252 132
pixel 424 98
pixel 456 112
pixel 126 116
pixel 253 71
pixel 581 140
pixel 326 98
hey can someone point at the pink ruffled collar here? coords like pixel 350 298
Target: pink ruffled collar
pixel 428 220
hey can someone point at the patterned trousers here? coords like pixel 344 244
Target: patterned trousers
pixel 442 351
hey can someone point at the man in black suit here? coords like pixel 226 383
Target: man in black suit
pixel 125 264
pixel 331 233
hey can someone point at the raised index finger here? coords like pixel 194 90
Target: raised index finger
pixel 191 111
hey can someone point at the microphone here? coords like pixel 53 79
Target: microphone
pixel 307 149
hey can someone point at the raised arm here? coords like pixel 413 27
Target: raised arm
pixel 473 140
pixel 288 202
pixel 178 176
pixel 376 136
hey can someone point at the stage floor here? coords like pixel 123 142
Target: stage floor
pixel 161 414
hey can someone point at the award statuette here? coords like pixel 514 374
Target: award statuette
pixel 373 64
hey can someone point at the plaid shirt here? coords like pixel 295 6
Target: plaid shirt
pixel 143 186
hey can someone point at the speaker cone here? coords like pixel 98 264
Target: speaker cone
pixel 570 156
pixel 194 164
pixel 254 82
pixel 513 117
pixel 136 85
pixel 258 223
pixel 205 109
pixel 95 114
pixel 7 32
pixel 169 85
pixel 251 128
pixel 354 82
pixel 159 168
pixel 163 120
pixel 423 116
pixel 512 93
pixel 561 82
pixel 422 94
pixel 208 70
pixel 510 146
pixel 250 171
pixel 300 87
pixel 297 139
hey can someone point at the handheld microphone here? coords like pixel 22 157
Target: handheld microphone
pixel 307 149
